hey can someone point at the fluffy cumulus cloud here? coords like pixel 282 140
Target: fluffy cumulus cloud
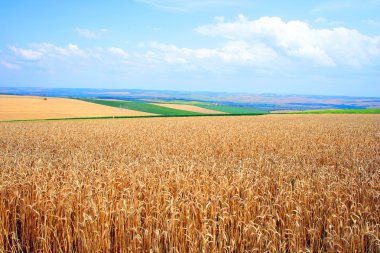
pixel 233 52
pixel 296 38
pixel 152 54
pixel 44 51
pixel 49 52
pixel 27 54
pixel 265 43
pixel 56 58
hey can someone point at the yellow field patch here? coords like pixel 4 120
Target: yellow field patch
pixel 28 107
pixel 191 108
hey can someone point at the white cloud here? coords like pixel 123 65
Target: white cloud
pixel 47 52
pixel 89 34
pixel 233 52
pixel 118 51
pixel 53 51
pixel 264 43
pixel 9 65
pixel 27 54
pixel 296 38
pixel 50 55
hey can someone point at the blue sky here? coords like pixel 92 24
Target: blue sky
pixel 327 47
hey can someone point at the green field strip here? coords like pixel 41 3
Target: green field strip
pixel 143 107
pixel 127 117
pixel 339 111
pixel 180 102
pixel 232 109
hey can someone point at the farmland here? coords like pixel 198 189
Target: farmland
pixel 232 110
pixel 52 108
pixel 192 108
pixel 30 107
pixel 143 107
pixel 177 109
pixel 275 183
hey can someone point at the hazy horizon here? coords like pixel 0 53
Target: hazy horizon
pixel 24 90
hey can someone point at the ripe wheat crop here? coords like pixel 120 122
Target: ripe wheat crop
pixel 275 183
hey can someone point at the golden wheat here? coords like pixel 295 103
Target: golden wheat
pixel 275 183
pixel 29 108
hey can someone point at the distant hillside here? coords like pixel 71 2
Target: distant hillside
pixel 261 102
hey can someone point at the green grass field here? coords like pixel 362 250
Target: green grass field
pixel 143 107
pixel 181 102
pixel 232 110
pixel 340 111
pixel 162 110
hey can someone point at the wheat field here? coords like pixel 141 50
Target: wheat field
pixel 273 183
pixel 30 108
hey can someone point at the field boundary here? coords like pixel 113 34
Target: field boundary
pixel 131 117
pixel 142 107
